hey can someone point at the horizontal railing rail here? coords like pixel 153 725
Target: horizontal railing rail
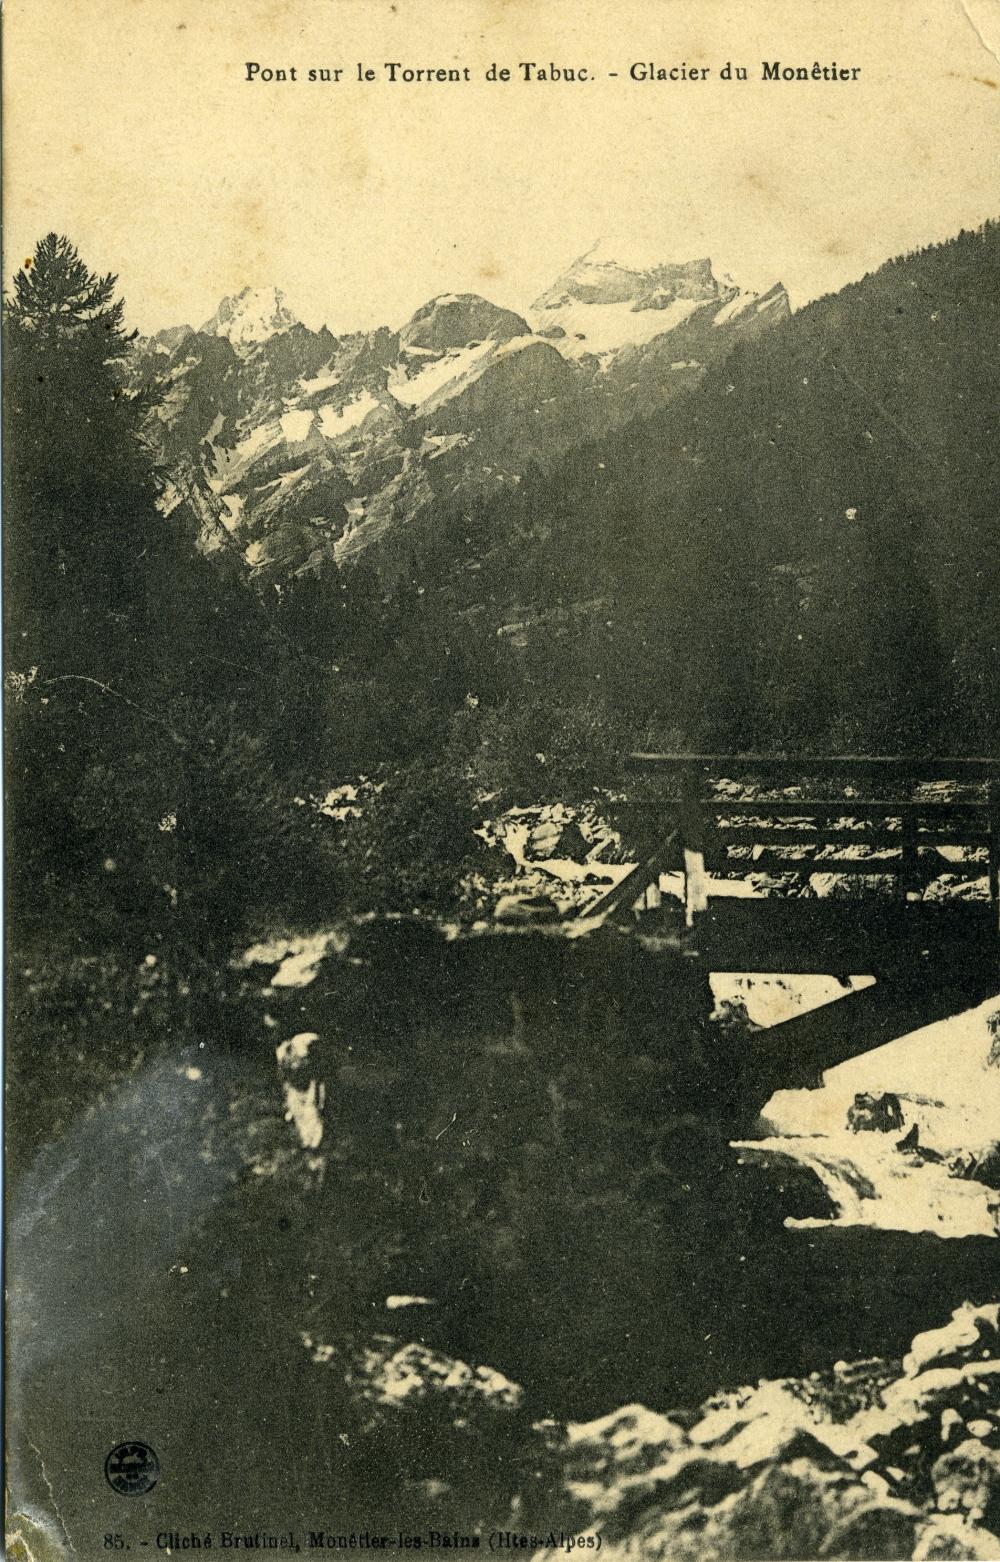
pixel 958 768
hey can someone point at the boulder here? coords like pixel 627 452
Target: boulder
pixel 875 1114
pixel 794 1510
pixel 971 1333
pixel 777 1420
pixel 700 1509
pixel 986 1167
pixel 952 1540
pixel 543 840
pixel 526 908
pixel 967 1481
pixel 551 838
pixel 452 1439
pixel 409 1374
pixel 572 843
pixel 608 1456
pixel 882 1529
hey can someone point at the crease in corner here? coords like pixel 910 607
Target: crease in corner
pixel 983 17
pixel 32 1537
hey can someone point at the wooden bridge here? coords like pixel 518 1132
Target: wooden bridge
pixel 887 866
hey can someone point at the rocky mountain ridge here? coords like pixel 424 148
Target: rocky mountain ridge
pixel 298 450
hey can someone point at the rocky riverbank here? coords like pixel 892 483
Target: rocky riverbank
pixel 870 1459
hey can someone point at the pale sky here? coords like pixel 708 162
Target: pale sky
pixel 130 127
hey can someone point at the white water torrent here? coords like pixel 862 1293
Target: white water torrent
pixel 948 1088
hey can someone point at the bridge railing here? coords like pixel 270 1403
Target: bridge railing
pixel 891 826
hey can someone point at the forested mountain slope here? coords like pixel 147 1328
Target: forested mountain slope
pixel 803 550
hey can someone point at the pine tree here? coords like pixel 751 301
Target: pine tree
pixel 141 795
pixel 56 299
pixel 83 528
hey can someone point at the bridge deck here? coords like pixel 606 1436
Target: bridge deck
pixel 843 938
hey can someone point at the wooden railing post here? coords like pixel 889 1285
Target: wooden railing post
pixel 692 822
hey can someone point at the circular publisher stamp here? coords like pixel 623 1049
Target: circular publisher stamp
pixel 131 1469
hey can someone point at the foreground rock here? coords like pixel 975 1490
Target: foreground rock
pixel 853 1463
pixel 864 1461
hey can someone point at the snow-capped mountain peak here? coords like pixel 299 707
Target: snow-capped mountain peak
pixel 607 274
pixel 305 449
pixel 251 316
pixel 615 296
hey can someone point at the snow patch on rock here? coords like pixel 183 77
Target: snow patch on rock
pixel 251 316
pixel 296 426
pixel 336 421
pixel 455 368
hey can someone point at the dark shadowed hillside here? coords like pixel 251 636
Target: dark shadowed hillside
pixel 801 551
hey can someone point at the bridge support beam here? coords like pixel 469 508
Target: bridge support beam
pixel 796 1053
